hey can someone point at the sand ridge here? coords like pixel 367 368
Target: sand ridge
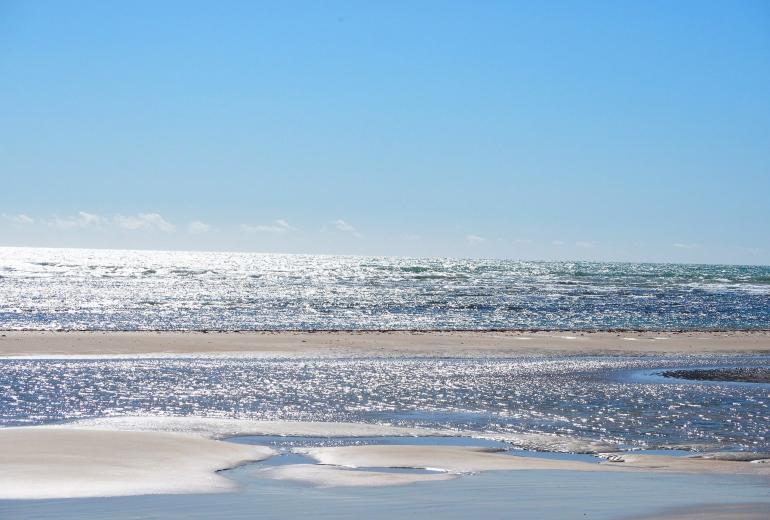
pixel 381 343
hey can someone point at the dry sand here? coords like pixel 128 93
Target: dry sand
pixel 65 463
pixel 377 343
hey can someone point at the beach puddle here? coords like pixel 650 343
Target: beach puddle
pixel 289 454
pixel 296 462
pixel 367 461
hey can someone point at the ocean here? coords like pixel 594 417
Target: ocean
pixel 91 289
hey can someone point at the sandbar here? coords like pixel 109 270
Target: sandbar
pixel 382 343
pixel 37 463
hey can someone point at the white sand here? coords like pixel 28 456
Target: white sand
pixel 693 465
pixel 383 344
pixel 461 459
pixel 98 458
pixel 454 459
pixel 64 463
pixel 333 476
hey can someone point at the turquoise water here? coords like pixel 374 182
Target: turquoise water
pixel 146 290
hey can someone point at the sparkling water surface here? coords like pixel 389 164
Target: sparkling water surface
pixel 611 398
pixel 151 290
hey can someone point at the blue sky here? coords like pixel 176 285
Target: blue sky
pixel 537 130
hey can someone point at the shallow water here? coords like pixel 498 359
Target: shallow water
pixel 139 290
pixel 544 495
pixel 617 399
pixel 285 444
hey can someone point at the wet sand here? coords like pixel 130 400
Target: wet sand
pixel 714 512
pixel 541 494
pixel 461 459
pixel 384 344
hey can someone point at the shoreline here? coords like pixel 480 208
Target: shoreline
pixel 415 343
pixel 166 455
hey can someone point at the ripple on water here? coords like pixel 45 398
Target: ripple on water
pixel 147 290
pixel 593 398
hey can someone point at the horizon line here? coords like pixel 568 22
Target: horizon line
pixel 418 257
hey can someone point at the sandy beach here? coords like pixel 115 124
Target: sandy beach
pixel 140 456
pixel 124 455
pixel 383 343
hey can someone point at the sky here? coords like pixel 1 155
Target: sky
pixel 629 131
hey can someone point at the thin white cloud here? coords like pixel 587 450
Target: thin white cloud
pixel 585 243
pixel 81 220
pixel 346 227
pixel 21 219
pixel 475 239
pixel 679 245
pixel 412 236
pixel 557 242
pixel 147 221
pixel 281 222
pixel 278 226
pixel 197 227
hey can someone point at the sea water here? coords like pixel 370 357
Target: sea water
pixel 154 290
